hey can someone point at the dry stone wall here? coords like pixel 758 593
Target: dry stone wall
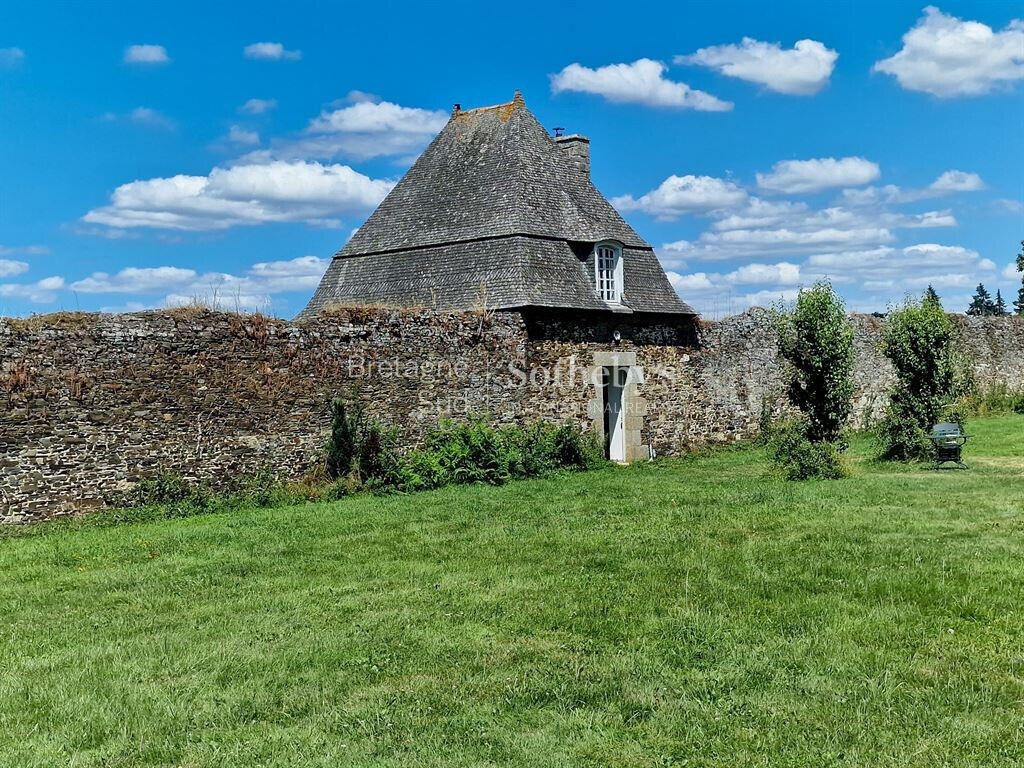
pixel 92 403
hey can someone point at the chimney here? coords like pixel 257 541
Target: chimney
pixel 578 148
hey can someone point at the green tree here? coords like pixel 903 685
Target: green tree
pixel 1018 305
pixel 981 304
pixel 931 295
pixel 920 341
pixel 999 308
pixel 816 340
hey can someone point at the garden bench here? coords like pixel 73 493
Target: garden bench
pixel 948 439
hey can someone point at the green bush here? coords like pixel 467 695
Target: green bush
pixel 362 455
pixel 920 341
pixel 475 452
pixel 169 495
pixel 422 471
pixel 991 400
pixel 575 450
pixel 816 341
pixel 361 451
pixel 347 425
pixel 466 452
pixel 797 457
pixel 168 490
pixel 379 466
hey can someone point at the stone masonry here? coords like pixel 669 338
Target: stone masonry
pixel 90 404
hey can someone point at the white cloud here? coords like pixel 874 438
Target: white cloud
pixel 806 176
pixel 257 106
pixel 641 82
pixel 946 56
pixel 216 298
pixel 801 70
pixel 251 290
pixel 791 228
pixel 28 250
pixel 782 273
pixel 135 280
pixel 361 131
pixel 789 238
pixel 684 194
pixel 1010 271
pixel 293 275
pixel 715 295
pixel 1007 205
pixel 698 281
pixel 910 267
pixel 760 213
pixel 146 54
pixel 128 306
pixel 10 268
pixel 926 220
pixel 885 273
pixel 41 292
pixel 245 194
pixel 957 181
pixel 768 297
pixel 239 135
pixel 150 117
pixel 270 51
pixel 11 57
pixel 947 183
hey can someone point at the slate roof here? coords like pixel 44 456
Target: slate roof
pixel 493 209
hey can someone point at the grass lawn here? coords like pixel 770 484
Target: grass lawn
pixel 685 612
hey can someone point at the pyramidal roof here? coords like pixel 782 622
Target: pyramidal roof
pixel 494 207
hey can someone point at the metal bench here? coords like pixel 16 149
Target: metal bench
pixel 948 439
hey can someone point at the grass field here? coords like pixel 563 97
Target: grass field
pixel 685 612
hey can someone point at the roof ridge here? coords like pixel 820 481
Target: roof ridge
pixel 482 109
pixel 517 101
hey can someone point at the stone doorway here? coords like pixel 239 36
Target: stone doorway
pixel 613 384
pixel 616 408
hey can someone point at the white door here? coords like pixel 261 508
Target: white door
pixel 615 413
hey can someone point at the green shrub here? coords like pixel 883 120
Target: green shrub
pixel 532 449
pixel 473 452
pixel 422 471
pixel 816 341
pixel 920 341
pixel 169 490
pixel 991 400
pixel 900 432
pixel 347 425
pixel 363 455
pixel 571 449
pixel 379 466
pixel 797 457
pixel 361 451
pixel 169 495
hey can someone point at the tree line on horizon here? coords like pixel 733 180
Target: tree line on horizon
pixel 983 305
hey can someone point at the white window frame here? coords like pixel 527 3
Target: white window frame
pixel 608 282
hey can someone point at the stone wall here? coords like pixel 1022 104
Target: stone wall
pixel 92 403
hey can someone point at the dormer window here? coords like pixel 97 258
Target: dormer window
pixel 608 272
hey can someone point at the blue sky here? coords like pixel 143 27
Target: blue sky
pixel 153 154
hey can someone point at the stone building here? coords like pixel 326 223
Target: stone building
pixel 496 214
